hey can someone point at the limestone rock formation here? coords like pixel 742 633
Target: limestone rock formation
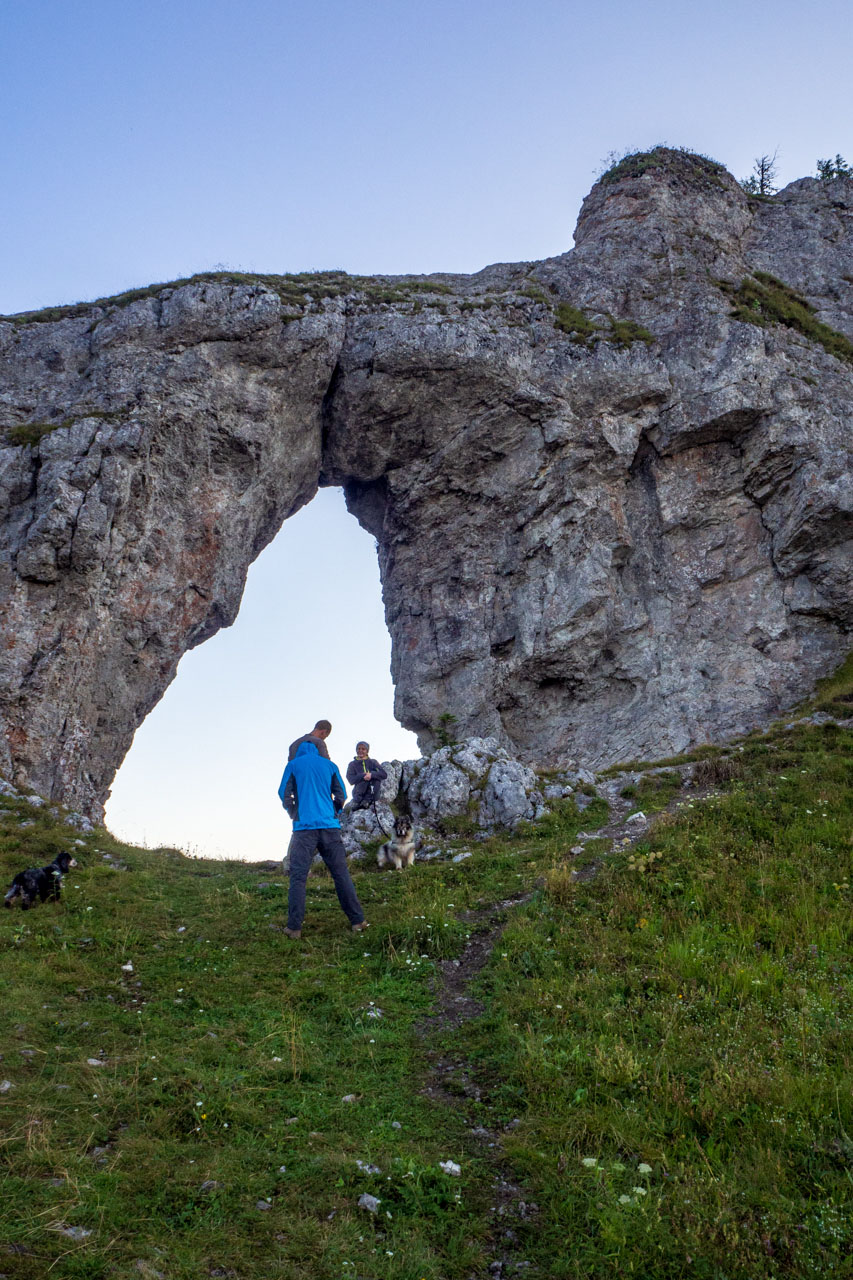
pixel 612 494
pixel 475 779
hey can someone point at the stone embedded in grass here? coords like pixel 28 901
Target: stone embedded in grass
pixel 367 1168
pixel 349 1097
pixel 5 1086
pixel 368 1202
pixel 96 1062
pixel 75 1233
pixel 263 1205
pixel 450 1167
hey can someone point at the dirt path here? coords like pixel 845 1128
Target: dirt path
pixel 450 1077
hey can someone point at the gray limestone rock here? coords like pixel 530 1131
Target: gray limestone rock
pixel 510 795
pixel 438 789
pixel 475 777
pixel 390 786
pixel 361 827
pixel 614 518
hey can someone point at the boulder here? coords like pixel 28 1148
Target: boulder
pixel 389 789
pixel 360 827
pixel 510 795
pixel 475 777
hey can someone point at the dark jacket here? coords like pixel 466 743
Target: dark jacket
pixel 308 737
pixel 312 790
pixel 356 769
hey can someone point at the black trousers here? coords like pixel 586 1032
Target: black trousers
pixel 328 843
pixel 365 793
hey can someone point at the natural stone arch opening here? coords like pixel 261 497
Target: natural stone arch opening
pixel 202 771
pixel 613 514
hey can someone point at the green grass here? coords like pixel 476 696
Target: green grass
pixel 689 1011
pixel 585 331
pixel 676 161
pixel 835 694
pixel 575 322
pixel 30 433
pixel 295 290
pixel 763 300
pixel 654 792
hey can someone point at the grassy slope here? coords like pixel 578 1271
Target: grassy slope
pixel 665 1052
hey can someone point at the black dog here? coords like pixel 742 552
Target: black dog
pixel 40 882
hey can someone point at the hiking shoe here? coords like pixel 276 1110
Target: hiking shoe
pixel 360 928
pixel 293 933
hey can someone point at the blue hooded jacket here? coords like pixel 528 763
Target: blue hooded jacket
pixel 317 787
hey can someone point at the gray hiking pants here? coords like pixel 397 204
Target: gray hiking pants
pixel 328 843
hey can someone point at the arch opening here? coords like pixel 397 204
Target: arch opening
pixel 310 641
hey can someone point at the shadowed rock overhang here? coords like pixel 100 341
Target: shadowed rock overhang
pixel 611 490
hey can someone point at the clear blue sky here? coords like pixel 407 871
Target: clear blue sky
pixel 144 141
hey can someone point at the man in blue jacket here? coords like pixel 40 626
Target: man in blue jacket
pixel 312 791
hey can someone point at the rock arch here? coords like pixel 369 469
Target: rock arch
pixel 614 519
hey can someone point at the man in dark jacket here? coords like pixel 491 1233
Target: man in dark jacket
pixel 364 774
pixel 312 791
pixel 318 736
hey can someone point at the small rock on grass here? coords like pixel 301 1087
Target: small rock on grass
pixel 368 1202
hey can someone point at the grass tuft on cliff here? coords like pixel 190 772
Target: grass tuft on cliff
pixel 663 1061
pixel 675 162
pixel 585 331
pixel 763 300
pixel 295 290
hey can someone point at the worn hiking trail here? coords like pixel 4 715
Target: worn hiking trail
pixel 450 1078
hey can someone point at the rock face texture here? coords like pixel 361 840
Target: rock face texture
pixel 613 518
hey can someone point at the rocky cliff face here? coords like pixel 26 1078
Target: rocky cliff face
pixel 612 495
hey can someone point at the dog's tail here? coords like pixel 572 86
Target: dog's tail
pixel 11 895
pixel 382 858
